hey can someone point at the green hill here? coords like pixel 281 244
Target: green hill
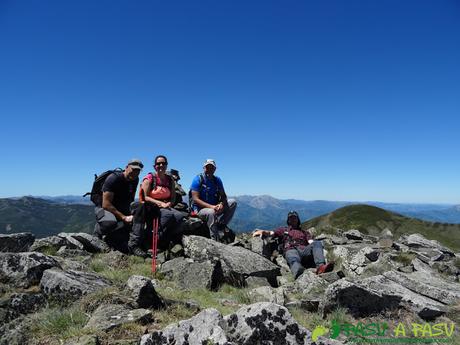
pixel 372 220
pixel 43 218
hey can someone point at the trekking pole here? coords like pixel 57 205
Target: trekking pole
pixel 154 244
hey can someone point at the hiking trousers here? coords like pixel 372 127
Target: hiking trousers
pixel 213 221
pixel 295 256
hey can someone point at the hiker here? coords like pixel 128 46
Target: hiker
pixel 209 202
pixel 298 245
pixel 178 202
pixel 115 215
pixel 158 191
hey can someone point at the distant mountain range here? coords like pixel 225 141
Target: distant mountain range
pixel 49 215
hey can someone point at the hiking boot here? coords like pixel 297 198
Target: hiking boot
pixel 323 268
pixel 138 252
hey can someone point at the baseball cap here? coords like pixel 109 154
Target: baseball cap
pixel 175 173
pixel 210 162
pixel 136 164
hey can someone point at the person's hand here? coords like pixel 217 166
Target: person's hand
pixel 165 204
pixel 219 208
pixel 258 233
pixel 128 219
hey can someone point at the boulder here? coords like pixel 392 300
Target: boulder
pixel 425 307
pixel 24 269
pixel 432 286
pixel 254 282
pixel 15 243
pixel 415 241
pixel 264 323
pixel 189 274
pixel 75 243
pixel 71 284
pixel 11 307
pixel 361 301
pixel 237 263
pixel 338 240
pixel 353 235
pixel 310 283
pixel 110 316
pixel 261 246
pixel 16 332
pixel 144 294
pixel 51 243
pixel 267 294
pixel 359 261
pixel 91 243
pixel 203 328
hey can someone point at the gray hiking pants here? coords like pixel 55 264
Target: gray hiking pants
pixel 295 256
pixel 216 222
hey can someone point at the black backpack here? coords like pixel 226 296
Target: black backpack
pixel 96 191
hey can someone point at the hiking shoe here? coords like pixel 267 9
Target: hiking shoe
pixel 325 268
pixel 138 252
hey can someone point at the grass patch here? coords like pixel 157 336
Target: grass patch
pixel 404 258
pixel 208 299
pixel 119 275
pixel 59 324
pixel 311 320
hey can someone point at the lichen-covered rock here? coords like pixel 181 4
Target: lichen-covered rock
pixel 416 241
pixel 194 275
pixel 261 246
pixel 254 282
pixel 107 317
pixel 203 328
pixel 144 294
pixel 15 243
pixel 83 340
pixel 71 284
pixel 238 263
pixel 24 269
pixel 353 235
pixel 16 332
pixel 21 303
pixel 267 294
pixel 264 323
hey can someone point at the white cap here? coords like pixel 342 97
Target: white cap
pixel 210 162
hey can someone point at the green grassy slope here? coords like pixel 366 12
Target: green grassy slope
pixel 372 220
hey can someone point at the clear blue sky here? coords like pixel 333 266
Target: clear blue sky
pixel 337 100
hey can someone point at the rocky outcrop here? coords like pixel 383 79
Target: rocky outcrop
pixel 189 274
pixel 15 243
pixel 237 263
pixel 71 284
pixel 90 243
pixel 108 317
pixel 259 323
pixel 24 269
pixel 51 243
pixel 143 292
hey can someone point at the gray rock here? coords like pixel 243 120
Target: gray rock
pixel 144 294
pixel 15 243
pixel 425 307
pixel 310 283
pixel 254 282
pixel 237 263
pixel 24 269
pixel 406 269
pixel 71 284
pixel 361 301
pixel 177 251
pixel 386 233
pixel 281 262
pixel 261 246
pixel 338 240
pixel 194 275
pixel 16 332
pixel 386 243
pixel 264 323
pixel 203 328
pixel 68 236
pixel 353 235
pixel 91 243
pixel 13 306
pixel 67 252
pixel 331 277
pixel 110 316
pixel 267 294
pixel 50 243
pixel 434 287
pixel 418 241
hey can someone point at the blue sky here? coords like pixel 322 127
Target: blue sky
pixel 338 100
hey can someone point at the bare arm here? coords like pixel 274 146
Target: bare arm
pixel 260 232
pixel 107 199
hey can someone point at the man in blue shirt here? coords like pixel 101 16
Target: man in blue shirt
pixel 210 202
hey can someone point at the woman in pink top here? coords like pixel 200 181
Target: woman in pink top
pixel 158 192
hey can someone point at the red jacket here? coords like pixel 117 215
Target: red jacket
pixel 293 238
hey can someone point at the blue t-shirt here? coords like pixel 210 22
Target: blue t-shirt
pixel 209 189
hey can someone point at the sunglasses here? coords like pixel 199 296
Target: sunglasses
pixel 161 163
